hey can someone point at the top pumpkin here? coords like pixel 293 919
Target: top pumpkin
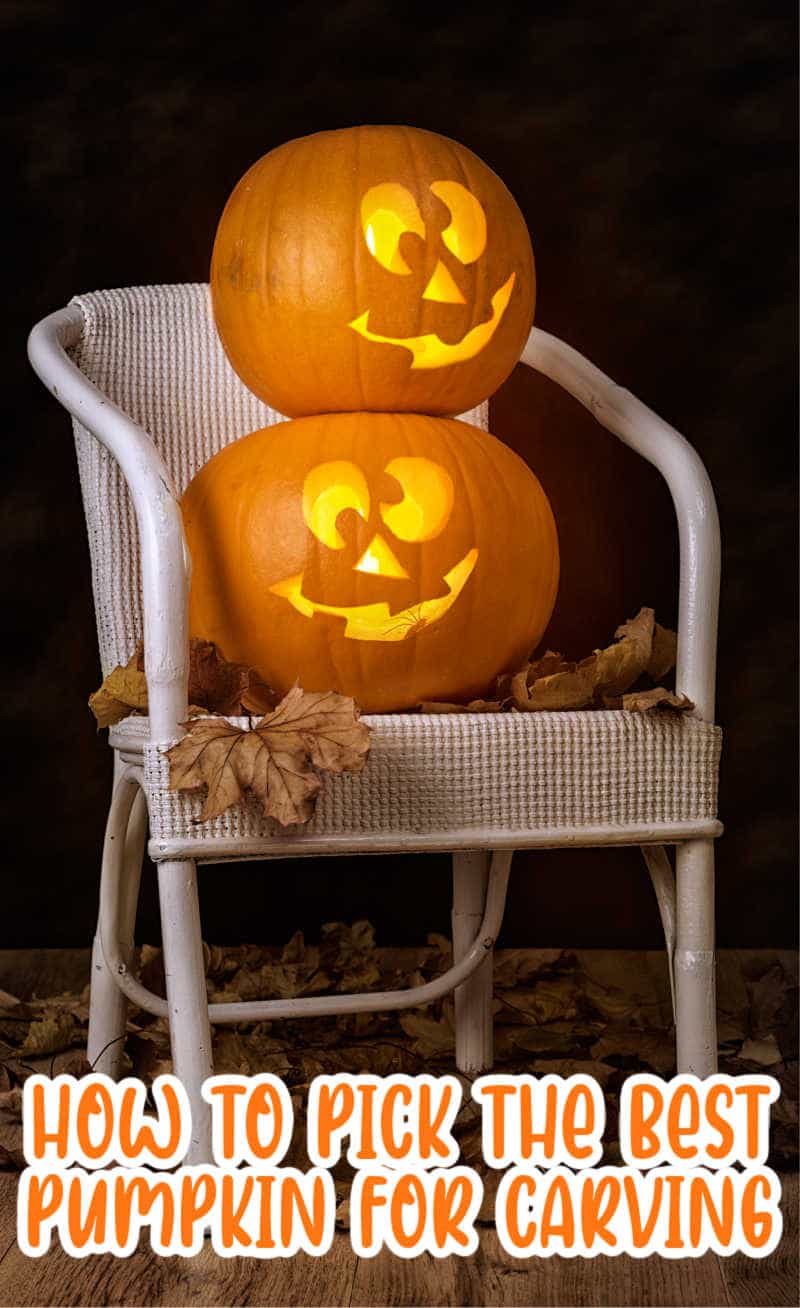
pixel 377 268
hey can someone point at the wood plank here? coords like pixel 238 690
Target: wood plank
pixel 145 1278
pixel 491 1276
pixel 774 1280
pixel 494 1277
pixel 605 1282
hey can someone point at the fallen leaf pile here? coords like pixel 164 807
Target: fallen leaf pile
pixel 277 758
pixel 274 759
pixel 606 679
pixel 215 686
pixel 603 1012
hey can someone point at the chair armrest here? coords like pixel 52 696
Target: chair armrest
pixel 164 557
pixel 692 494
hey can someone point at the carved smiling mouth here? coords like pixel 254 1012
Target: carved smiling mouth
pixel 375 621
pixel 430 351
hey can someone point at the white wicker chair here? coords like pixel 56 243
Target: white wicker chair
pixel 153 397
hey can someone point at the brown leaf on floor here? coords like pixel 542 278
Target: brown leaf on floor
pixel 763 1051
pixel 124 691
pixel 430 1036
pixel 655 1049
pixel 274 760
pixel 51 1034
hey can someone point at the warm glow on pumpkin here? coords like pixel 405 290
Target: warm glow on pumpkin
pixel 422 513
pixel 387 211
pixel 431 352
pixel 320 553
pixel 401 280
pixel 465 237
pixel 427 499
pixel 390 210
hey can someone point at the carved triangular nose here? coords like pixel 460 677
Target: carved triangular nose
pixel 379 560
pixel 442 287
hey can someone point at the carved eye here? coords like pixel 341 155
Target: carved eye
pixel 387 211
pixel 427 499
pixel 465 237
pixel 327 491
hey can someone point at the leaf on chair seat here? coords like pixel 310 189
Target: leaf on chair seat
pixel 233 689
pixel 572 688
pixel 644 701
pixel 601 680
pixel 275 760
pixel 323 724
pixel 215 686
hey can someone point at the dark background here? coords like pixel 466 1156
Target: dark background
pixel 651 148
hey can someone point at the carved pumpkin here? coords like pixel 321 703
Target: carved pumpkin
pixel 373 268
pixel 392 557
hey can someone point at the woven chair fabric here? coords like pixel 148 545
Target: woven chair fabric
pixel 155 352
pixel 428 773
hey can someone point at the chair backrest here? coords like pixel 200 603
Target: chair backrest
pixel 155 352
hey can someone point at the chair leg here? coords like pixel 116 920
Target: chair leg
pixel 184 969
pixel 695 985
pixel 108 1006
pixel 473 999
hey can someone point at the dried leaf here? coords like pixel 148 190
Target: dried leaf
pixel 644 701
pixel 274 759
pixel 764 1051
pixel 430 1037
pixel 621 664
pixel 232 689
pixel 571 689
pixel 124 691
pixel 51 1034
pixel 654 1048
pixel 216 754
pixel 663 653
pixel 215 686
pixel 323 725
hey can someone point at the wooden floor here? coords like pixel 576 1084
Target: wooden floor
pixel 340 1278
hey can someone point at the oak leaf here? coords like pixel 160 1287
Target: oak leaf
pixel 273 759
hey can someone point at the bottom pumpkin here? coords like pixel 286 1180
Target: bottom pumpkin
pixel 392 557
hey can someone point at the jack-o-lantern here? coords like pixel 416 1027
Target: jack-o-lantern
pixel 372 268
pixel 392 557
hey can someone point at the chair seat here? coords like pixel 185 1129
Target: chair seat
pixel 472 780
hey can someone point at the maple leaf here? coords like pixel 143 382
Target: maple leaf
pixel 273 759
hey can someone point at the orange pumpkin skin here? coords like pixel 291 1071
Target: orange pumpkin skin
pixel 333 240
pixel 392 557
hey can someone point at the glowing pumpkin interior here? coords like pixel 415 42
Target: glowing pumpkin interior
pixel 421 515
